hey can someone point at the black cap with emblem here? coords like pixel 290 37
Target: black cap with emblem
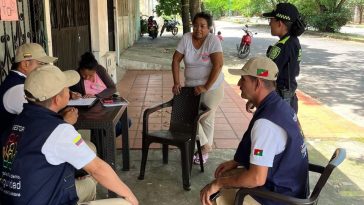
pixel 284 11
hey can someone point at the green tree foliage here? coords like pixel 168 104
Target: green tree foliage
pixel 360 5
pixel 168 7
pixel 216 7
pixel 324 15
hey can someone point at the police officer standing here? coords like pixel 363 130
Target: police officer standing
pixel 285 22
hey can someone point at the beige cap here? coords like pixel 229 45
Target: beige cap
pixel 47 81
pixel 260 67
pixel 30 51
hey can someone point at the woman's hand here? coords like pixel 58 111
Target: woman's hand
pixel 200 89
pixel 176 89
pixel 88 96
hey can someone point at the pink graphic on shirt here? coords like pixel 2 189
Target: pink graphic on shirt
pixel 205 57
pixel 94 87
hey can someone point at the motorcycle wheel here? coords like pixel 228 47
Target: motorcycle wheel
pixel 175 31
pixel 244 51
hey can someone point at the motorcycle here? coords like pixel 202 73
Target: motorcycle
pixel 152 27
pixel 246 40
pixel 143 25
pixel 170 26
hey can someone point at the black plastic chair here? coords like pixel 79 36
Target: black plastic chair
pixel 336 159
pixel 186 113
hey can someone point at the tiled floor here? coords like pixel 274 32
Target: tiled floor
pixel 146 88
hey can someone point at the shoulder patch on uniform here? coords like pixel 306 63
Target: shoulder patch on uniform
pixel 274 52
pixel 299 55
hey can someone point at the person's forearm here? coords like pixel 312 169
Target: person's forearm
pixel 175 72
pixel 244 179
pixel 107 177
pixel 217 63
pixel 215 72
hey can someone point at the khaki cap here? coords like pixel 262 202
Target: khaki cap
pixel 260 67
pixel 32 51
pixel 47 81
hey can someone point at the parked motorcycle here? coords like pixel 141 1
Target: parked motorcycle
pixel 170 26
pixel 143 25
pixel 152 27
pixel 246 40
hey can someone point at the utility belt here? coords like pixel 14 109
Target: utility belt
pixel 287 95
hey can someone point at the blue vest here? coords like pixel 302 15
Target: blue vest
pixel 10 81
pixel 27 177
pixel 289 173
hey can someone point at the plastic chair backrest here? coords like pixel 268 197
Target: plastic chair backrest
pixel 336 159
pixel 185 109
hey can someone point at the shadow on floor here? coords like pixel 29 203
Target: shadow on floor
pixel 163 183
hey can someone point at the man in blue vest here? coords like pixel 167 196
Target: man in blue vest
pixel 42 151
pixel 272 152
pixel 27 57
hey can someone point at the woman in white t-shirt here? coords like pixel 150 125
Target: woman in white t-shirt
pixel 202 55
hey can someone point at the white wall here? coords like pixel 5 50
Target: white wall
pixel 99 29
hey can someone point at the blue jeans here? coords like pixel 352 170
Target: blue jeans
pixel 119 127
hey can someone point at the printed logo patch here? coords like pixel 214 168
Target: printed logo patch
pixel 258 152
pixel 303 150
pixel 274 52
pixel 205 57
pixel 78 140
pixel 10 150
pixel 262 72
pixel 27 55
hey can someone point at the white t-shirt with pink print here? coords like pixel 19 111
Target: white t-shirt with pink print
pixel 197 62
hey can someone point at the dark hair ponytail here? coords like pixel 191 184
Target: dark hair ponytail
pixel 88 61
pixel 298 27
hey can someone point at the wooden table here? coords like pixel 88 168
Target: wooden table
pixel 101 121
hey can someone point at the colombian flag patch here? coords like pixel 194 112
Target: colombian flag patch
pixel 262 72
pixel 258 152
pixel 78 140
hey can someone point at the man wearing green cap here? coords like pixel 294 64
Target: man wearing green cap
pixel 272 152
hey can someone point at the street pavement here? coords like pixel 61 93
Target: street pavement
pixel 324 129
pixel 332 71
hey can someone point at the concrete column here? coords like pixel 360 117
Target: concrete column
pixel 48 27
pixel 99 29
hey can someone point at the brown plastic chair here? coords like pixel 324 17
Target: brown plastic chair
pixel 186 113
pixel 336 159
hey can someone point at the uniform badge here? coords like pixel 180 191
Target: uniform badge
pixel 274 52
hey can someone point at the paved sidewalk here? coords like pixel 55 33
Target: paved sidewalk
pixel 324 130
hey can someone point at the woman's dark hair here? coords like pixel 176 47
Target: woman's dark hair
pixel 295 28
pixel 298 27
pixel 205 16
pixel 88 61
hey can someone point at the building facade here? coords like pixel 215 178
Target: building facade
pixel 68 28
